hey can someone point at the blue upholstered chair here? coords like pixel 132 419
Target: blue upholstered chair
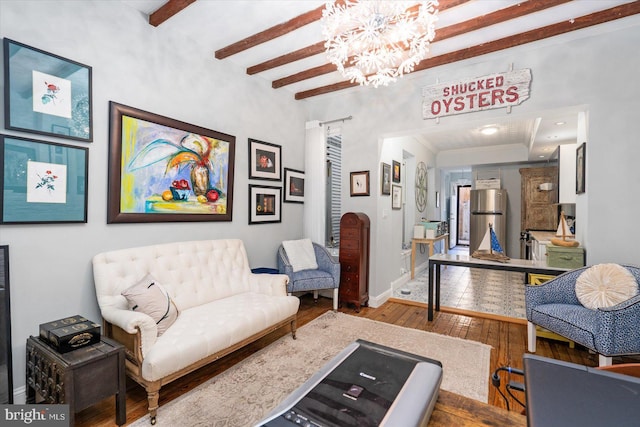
pixel 327 276
pixel 612 331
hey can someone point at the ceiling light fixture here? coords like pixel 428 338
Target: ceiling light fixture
pixel 374 42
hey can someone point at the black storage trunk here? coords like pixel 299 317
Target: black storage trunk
pixel 70 333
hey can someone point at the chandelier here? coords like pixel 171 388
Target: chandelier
pixel 373 42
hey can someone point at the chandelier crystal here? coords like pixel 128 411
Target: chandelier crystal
pixel 373 42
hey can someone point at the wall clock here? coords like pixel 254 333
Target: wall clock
pixel 421 186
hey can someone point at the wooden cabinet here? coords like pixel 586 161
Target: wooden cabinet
pixel 538 209
pixel 354 259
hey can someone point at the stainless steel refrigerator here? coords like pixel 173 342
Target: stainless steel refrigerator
pixel 488 207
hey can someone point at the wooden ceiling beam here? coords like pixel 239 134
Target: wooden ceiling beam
pixel 502 15
pixel 582 22
pixel 319 48
pixel 270 33
pixel 167 10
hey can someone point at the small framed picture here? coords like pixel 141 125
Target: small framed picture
pixel 385 179
pixel 396 171
pixel 359 183
pixel 396 197
pixel 580 168
pixel 265 204
pixel 293 186
pixel 264 160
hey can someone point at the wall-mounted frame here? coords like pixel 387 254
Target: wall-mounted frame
pixel 396 171
pixel 581 164
pixel 265 160
pixel 6 363
pixel 396 197
pixel 293 186
pixel 165 170
pixel 359 183
pixel 265 204
pixel 42 182
pixel 385 179
pixel 46 93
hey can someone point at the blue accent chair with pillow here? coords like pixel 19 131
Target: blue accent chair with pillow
pixel 326 276
pixel 597 307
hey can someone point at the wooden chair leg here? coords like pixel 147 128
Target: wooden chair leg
pixel 531 337
pixel 604 360
pixel 335 299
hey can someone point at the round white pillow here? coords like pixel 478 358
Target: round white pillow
pixel 605 285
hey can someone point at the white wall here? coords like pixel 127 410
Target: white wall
pixel 151 69
pixel 598 70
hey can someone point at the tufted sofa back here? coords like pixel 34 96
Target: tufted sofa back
pixel 194 273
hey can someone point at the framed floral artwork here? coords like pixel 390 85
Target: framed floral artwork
pixel 165 170
pixel 293 186
pixel 42 182
pixel 265 160
pixel 265 204
pixel 46 93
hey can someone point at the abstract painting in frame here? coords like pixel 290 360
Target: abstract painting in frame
pixel 42 182
pixel 293 186
pixel 265 160
pixel 46 93
pixel 359 183
pixel 265 204
pixel 165 170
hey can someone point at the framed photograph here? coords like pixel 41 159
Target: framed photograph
pixel 396 197
pixel 165 170
pixel 293 186
pixel 264 204
pixel 264 160
pixel 359 183
pixel 581 153
pixel 396 171
pixel 385 179
pixel 46 93
pixel 42 182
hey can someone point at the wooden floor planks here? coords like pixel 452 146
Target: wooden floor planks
pixel 508 340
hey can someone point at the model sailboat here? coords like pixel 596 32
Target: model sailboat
pixel 564 232
pixel 490 248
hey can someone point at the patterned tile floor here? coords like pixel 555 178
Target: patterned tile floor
pixel 488 291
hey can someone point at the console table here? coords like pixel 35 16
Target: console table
pixel 79 378
pixel 426 241
pixel 514 265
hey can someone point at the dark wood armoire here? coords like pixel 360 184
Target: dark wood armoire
pixel 354 259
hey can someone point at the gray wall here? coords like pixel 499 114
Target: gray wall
pixel 151 69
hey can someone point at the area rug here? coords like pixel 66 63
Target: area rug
pixel 248 391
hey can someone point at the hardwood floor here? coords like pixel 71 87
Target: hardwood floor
pixel 509 342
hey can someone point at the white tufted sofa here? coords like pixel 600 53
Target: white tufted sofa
pixel 223 306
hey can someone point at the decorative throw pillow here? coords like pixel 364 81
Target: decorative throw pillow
pixel 149 297
pixel 301 254
pixel 605 285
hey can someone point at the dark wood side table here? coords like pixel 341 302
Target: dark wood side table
pixel 79 378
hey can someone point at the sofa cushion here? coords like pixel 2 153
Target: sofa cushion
pixel 149 297
pixel 605 285
pixel 301 254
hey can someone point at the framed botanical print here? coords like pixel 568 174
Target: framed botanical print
pixel 359 183
pixel 42 182
pixel 265 204
pixel 265 160
pixel 293 186
pixel 46 93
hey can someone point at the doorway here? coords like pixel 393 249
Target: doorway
pixel 464 215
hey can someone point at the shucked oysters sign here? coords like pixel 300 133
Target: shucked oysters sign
pixel 481 93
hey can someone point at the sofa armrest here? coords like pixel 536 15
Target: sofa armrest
pixel 269 284
pixel 132 322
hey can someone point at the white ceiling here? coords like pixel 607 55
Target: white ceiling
pixel 214 24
